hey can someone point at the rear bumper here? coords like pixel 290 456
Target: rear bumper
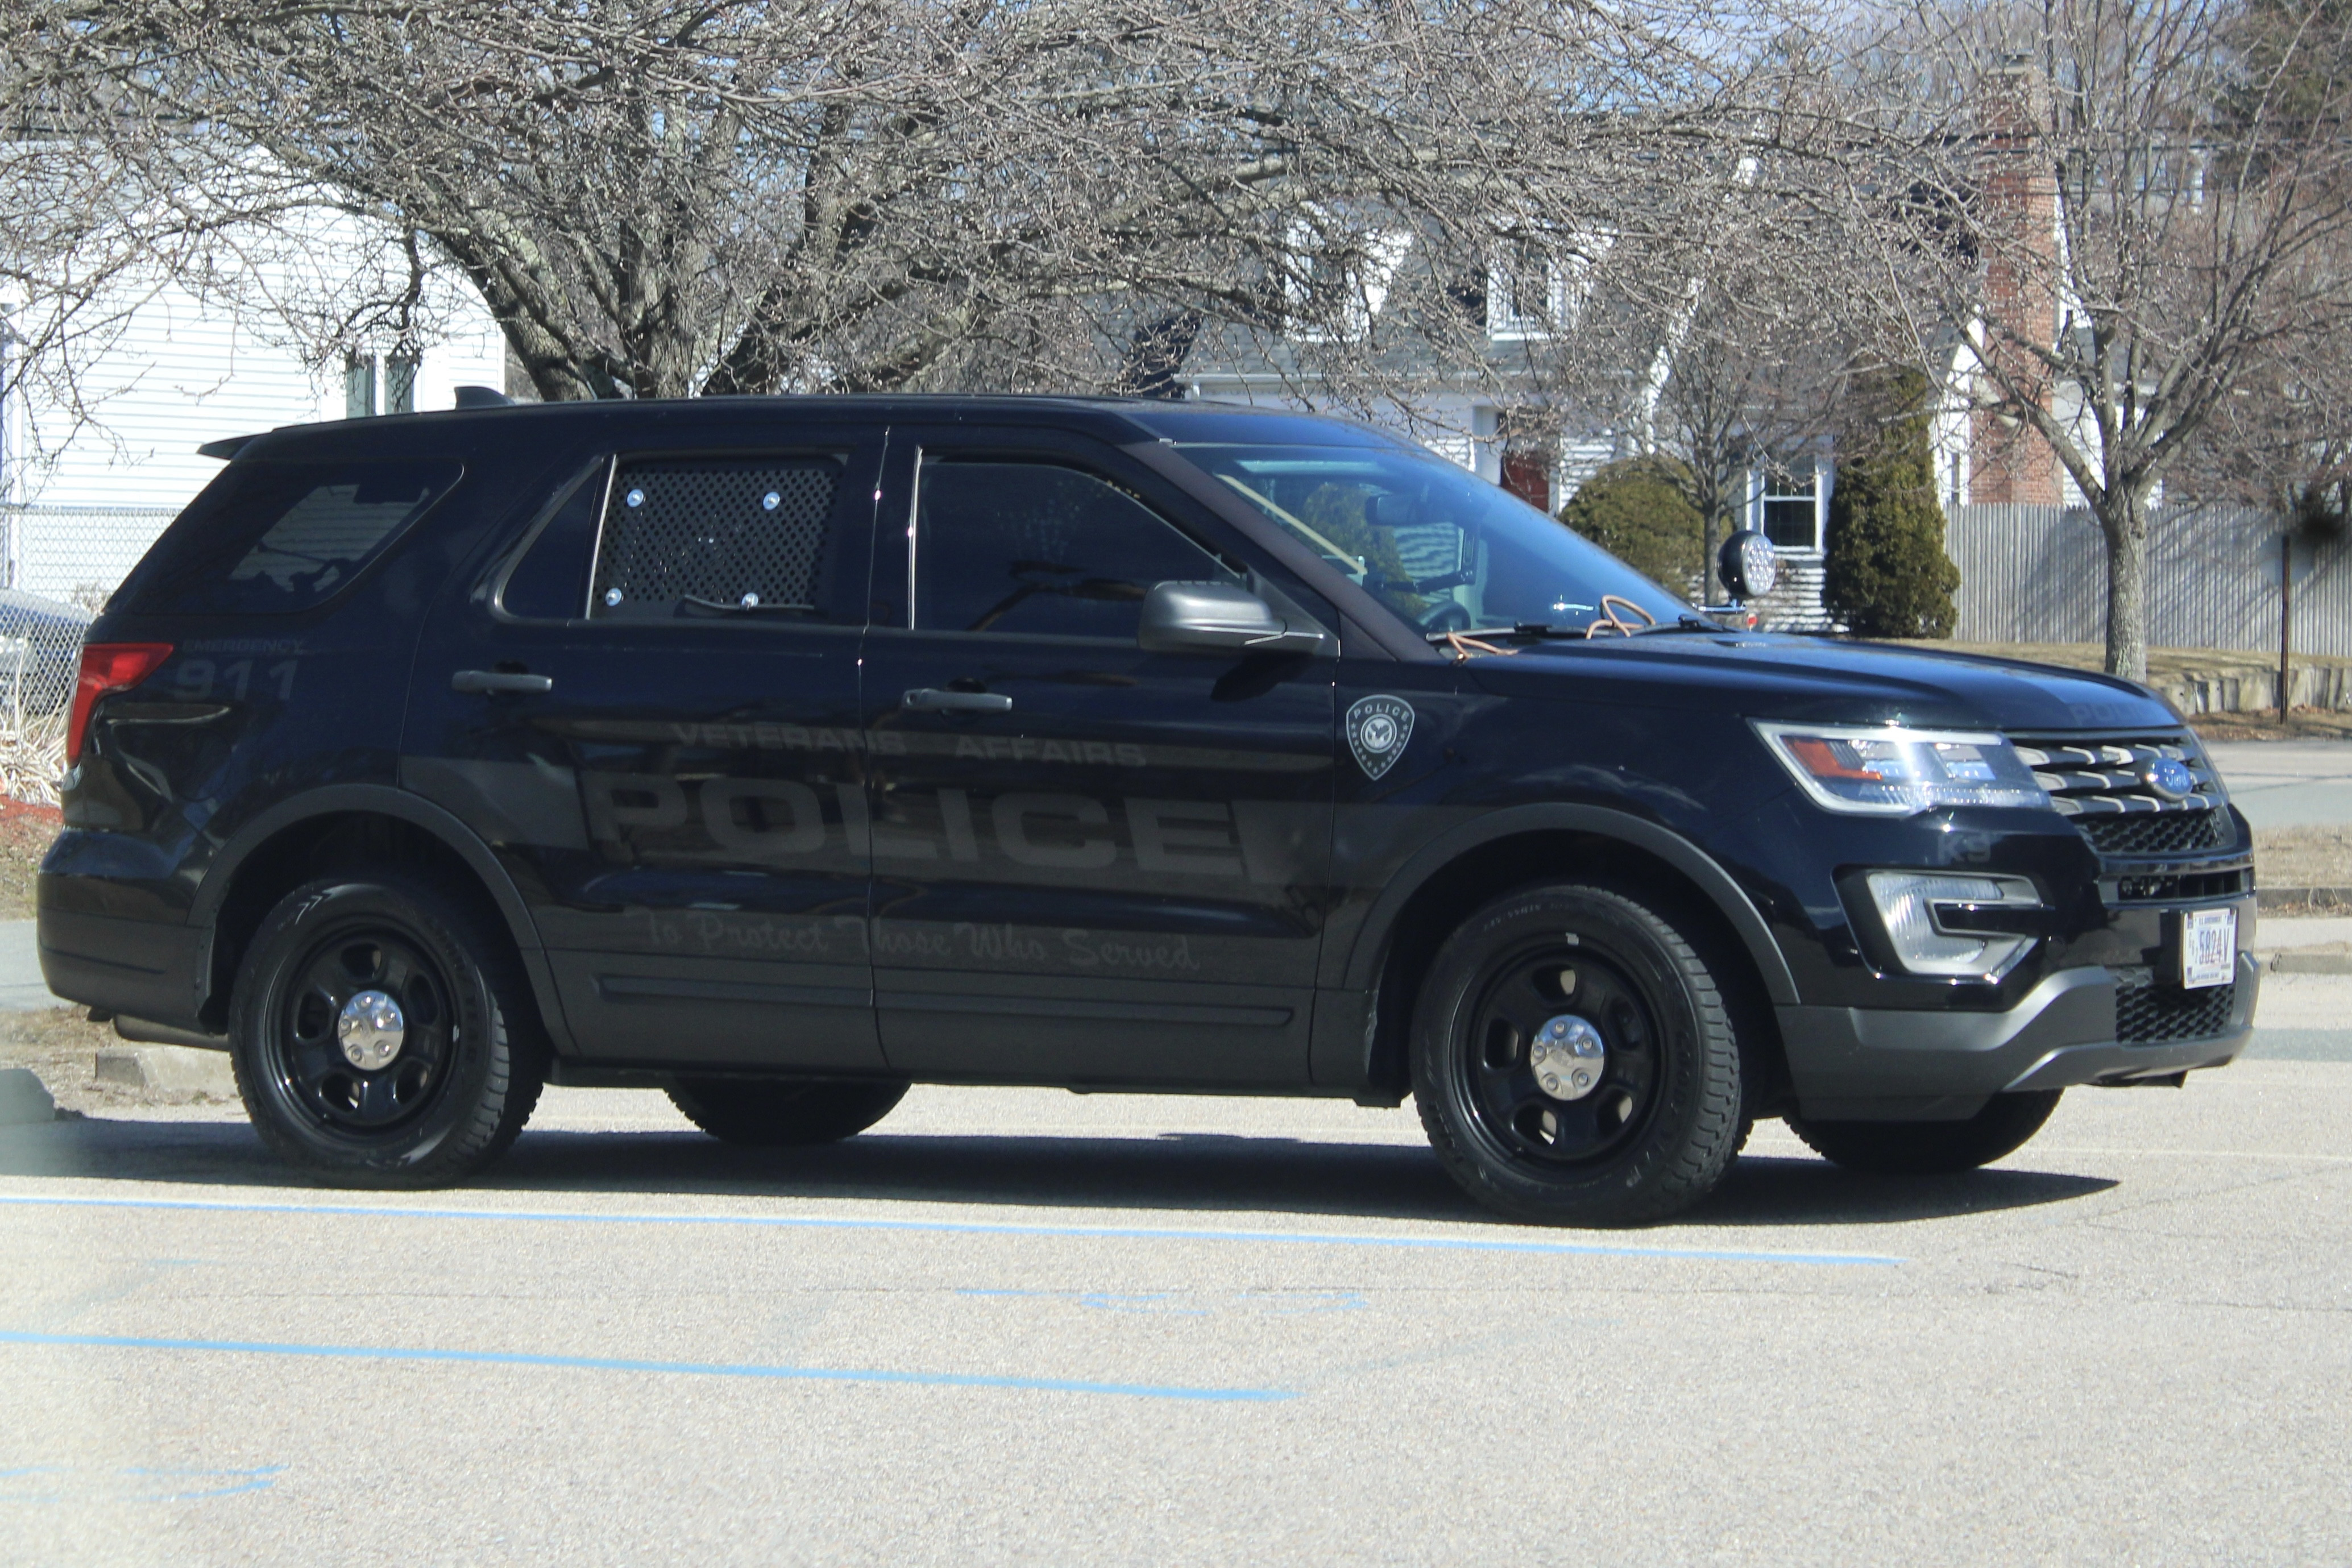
pixel 143 968
pixel 1867 1064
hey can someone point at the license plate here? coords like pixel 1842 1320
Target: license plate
pixel 2209 947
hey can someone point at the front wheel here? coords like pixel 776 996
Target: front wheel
pixel 382 1035
pixel 1931 1148
pixel 768 1115
pixel 1574 1062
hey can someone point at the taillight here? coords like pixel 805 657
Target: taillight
pixel 107 666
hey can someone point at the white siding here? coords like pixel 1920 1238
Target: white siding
pixel 89 488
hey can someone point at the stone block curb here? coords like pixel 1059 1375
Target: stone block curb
pixel 174 1071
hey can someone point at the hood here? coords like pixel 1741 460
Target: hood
pixel 1762 676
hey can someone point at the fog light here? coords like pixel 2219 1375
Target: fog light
pixel 1928 919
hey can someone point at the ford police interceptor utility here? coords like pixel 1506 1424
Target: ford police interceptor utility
pixel 779 754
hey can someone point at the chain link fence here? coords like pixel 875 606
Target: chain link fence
pixel 58 565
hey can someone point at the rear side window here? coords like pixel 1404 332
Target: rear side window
pixel 275 538
pixel 716 536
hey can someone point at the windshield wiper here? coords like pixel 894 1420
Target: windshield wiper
pixel 1543 631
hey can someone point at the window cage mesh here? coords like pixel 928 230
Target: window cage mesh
pixel 738 534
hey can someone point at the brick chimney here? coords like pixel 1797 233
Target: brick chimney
pixel 2017 227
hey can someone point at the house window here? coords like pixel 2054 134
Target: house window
pixel 1522 291
pixel 371 384
pixel 400 384
pixel 1339 281
pixel 358 386
pixel 1788 505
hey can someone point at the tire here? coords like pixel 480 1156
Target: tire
pixel 760 1114
pixel 1657 1128
pixel 468 1057
pixel 1931 1148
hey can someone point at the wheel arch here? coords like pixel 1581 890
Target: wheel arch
pixel 1511 848
pixel 300 837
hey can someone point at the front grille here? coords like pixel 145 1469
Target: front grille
pixel 2149 1014
pixel 2108 788
pixel 2175 890
pixel 2156 833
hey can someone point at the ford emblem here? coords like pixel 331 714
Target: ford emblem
pixel 2171 777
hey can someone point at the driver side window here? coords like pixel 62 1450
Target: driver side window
pixel 1041 550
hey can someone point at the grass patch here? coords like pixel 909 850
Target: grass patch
pixel 2303 857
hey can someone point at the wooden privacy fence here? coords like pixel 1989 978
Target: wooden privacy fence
pixel 2038 573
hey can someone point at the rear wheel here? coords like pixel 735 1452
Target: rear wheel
pixel 1574 1062
pixel 1931 1148
pixel 382 1035
pixel 768 1115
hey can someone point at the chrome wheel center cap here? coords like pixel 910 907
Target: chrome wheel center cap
pixel 1567 1055
pixel 370 1030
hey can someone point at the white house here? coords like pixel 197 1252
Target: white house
pixel 89 476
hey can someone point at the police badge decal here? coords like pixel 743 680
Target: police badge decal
pixel 1378 731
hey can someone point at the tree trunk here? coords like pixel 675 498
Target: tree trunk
pixel 2122 517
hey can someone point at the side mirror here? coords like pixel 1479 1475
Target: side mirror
pixel 1220 617
pixel 1749 565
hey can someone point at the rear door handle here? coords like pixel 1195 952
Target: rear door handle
pixel 499 680
pixel 930 700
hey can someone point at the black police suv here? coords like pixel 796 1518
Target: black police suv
pixel 781 754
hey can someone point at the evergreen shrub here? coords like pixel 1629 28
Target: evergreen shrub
pixel 1637 508
pixel 1886 573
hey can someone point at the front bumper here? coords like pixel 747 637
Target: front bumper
pixel 1875 1064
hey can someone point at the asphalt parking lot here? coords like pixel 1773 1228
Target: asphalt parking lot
pixel 1025 1325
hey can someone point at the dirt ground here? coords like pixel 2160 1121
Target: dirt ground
pixel 24 835
pixel 61 1046
pixel 2303 724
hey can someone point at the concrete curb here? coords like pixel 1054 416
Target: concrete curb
pixel 2302 961
pixel 24 1098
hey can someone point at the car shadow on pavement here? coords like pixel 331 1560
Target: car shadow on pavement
pixel 1185 1171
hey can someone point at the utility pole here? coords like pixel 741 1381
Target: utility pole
pixel 2286 622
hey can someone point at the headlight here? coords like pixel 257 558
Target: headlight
pixel 1928 916
pixel 1892 772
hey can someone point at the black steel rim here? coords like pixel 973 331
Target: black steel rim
pixel 1521 992
pixel 308 1056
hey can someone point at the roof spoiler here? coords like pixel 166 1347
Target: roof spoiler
pixel 227 447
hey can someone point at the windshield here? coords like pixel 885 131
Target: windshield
pixel 1437 544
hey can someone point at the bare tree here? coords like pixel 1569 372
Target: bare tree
pixel 2119 209
pixel 659 198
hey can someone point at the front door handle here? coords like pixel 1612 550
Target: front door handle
pixel 932 699
pixel 499 680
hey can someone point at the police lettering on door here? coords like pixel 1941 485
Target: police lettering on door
pixel 780 822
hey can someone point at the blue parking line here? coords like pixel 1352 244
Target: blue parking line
pixel 968 1227
pixel 672 1368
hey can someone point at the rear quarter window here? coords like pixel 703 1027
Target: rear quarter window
pixel 277 538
